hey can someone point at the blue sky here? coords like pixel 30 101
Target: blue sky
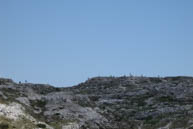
pixel 64 42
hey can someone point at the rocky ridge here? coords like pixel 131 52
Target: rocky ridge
pixel 99 103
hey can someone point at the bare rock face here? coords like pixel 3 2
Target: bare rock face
pixel 11 111
pixel 99 103
pixel 71 126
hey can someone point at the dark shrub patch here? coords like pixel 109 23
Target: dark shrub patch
pixel 4 126
pixel 41 125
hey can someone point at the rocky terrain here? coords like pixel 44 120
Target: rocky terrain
pixel 99 103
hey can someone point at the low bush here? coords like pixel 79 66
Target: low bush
pixel 4 126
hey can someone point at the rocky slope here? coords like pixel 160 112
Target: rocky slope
pixel 99 103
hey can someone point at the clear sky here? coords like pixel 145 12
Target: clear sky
pixel 64 42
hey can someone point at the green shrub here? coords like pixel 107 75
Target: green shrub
pixel 41 125
pixel 4 126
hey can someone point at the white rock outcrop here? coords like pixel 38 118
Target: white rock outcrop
pixel 11 111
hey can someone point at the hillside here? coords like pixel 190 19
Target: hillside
pixel 99 103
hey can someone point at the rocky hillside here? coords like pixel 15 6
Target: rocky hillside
pixel 99 103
